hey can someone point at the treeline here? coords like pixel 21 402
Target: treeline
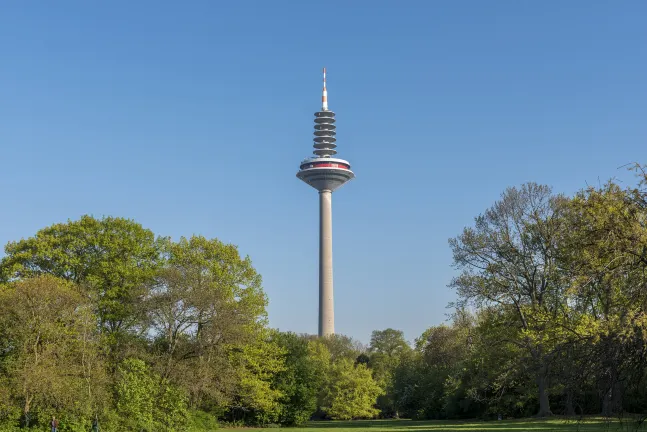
pixel 100 320
pixel 557 289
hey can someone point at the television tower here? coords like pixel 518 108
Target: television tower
pixel 326 174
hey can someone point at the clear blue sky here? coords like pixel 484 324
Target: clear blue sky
pixel 192 117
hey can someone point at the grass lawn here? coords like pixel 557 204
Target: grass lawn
pixel 554 424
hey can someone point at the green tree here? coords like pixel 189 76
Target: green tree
pixel 351 392
pixel 255 366
pixel 322 359
pixel 136 390
pixel 146 402
pixel 50 350
pixel 605 254
pixel 389 342
pixel 205 304
pixel 171 411
pixel 427 381
pixel 112 258
pixel 386 350
pixel 509 259
pixel 299 382
pixel 443 349
pixel 341 346
pixel 494 377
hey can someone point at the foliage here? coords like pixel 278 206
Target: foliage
pixel 256 364
pixel 184 323
pixel 171 413
pixel 351 392
pixel 111 258
pixel 341 346
pixel 509 260
pixel 387 349
pixel 299 382
pixel 50 352
pixel 558 287
pixel 135 389
pixel 205 303
pixel 145 402
pixel 200 421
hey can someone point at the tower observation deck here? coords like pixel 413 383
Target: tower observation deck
pixel 326 174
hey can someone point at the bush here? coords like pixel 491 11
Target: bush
pixel 10 427
pixel 135 395
pixel 171 408
pixel 200 421
pixel 351 392
pixel 147 403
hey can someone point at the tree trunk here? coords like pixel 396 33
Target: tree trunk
pixel 27 411
pixel 542 385
pixel 569 408
pixel 606 403
pixel 612 397
pixel 616 399
pixel 611 385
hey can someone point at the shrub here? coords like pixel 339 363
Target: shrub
pixel 200 421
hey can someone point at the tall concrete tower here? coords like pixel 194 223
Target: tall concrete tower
pixel 326 174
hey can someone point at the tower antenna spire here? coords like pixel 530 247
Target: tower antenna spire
pixel 324 93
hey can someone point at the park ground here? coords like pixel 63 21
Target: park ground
pixel 534 425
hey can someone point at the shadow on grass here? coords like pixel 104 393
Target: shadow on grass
pixel 553 424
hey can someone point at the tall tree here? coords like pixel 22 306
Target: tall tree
pixel 441 352
pixel 388 342
pixel 255 366
pixel 205 303
pixel 509 259
pixel 50 350
pixel 342 346
pixel 496 376
pixel 322 359
pixel 606 254
pixel 112 258
pixel 387 349
pixel 299 382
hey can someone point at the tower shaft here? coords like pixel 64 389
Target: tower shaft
pixel 326 304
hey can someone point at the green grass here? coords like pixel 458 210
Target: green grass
pixel 533 425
